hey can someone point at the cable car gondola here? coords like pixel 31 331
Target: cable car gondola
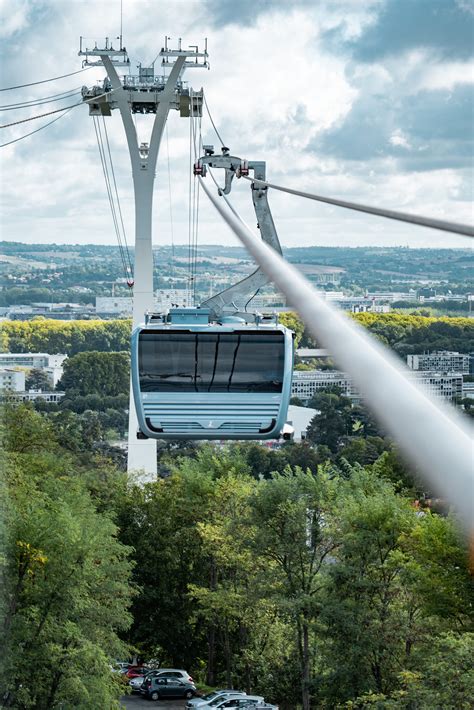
pixel 211 373
pixel 195 378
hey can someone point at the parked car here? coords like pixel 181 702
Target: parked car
pixel 214 695
pixel 119 667
pixel 174 673
pixel 154 687
pixel 236 702
pixel 135 671
pixel 136 683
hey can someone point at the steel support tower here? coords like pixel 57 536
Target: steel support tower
pixel 146 93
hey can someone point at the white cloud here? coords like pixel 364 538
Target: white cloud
pixel 447 75
pixel 13 17
pixel 275 87
pixel 399 139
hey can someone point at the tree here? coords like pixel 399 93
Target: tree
pixel 66 580
pixel 38 380
pixel 294 322
pixel 292 515
pixel 332 422
pixel 106 374
pixel 371 614
pixel 228 603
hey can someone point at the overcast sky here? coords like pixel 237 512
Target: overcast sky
pixel 366 100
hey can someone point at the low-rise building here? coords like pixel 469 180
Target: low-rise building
pixel 306 383
pixel 440 361
pixel 172 298
pixel 114 305
pixel 36 360
pixel 468 390
pixel 164 299
pixel 52 365
pixel 448 385
pixel 32 396
pixel 12 380
pixel 300 418
pixel 306 354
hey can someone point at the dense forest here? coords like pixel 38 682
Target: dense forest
pixel 319 575
pixel 404 333
pixel 317 583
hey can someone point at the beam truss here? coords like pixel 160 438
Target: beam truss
pixel 155 95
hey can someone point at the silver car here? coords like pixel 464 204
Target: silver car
pixel 136 683
pixel 236 702
pixel 215 695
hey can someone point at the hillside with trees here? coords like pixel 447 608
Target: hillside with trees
pixel 316 583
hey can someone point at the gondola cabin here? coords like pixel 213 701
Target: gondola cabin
pixel 194 378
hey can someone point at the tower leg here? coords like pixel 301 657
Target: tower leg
pixel 142 452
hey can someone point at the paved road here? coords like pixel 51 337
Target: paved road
pixel 136 702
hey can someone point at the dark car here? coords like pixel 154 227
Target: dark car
pixel 158 687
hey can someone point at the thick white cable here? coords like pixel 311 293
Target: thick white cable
pixel 454 227
pixel 435 438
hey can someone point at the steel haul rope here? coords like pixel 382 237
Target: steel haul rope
pixel 453 227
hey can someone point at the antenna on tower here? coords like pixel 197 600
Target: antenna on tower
pixel 121 24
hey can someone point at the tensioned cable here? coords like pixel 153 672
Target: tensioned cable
pixel 45 81
pixel 196 121
pixel 190 204
pixel 434 436
pixel 15 140
pixel 454 227
pixel 41 101
pixel 49 113
pixel 112 204
pixel 127 253
pixel 40 115
pixel 109 190
pixel 251 299
pixel 65 110
pixel 443 225
pixel 211 119
pixel 226 200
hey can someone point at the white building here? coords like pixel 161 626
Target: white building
pixel 362 305
pixel 12 380
pixel 300 418
pixel 33 396
pixel 164 298
pixel 307 382
pixel 52 365
pixel 172 297
pixel 36 360
pixel 440 361
pixel 114 305
pixel 448 385
pixel 306 354
pixel 468 390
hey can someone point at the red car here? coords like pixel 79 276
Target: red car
pixel 135 671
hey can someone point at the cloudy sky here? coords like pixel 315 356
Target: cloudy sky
pixel 366 100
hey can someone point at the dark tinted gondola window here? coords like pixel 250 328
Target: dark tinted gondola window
pixel 211 362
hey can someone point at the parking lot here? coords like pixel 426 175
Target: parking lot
pixel 136 702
